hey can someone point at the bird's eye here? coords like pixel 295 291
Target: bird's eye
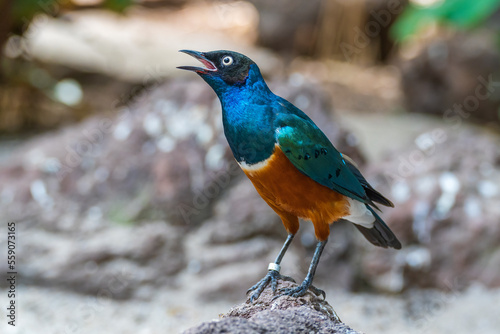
pixel 227 60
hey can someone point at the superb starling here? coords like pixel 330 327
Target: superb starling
pixel 290 161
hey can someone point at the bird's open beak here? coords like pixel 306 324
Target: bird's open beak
pixel 209 66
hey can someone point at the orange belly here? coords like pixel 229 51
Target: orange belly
pixel 294 195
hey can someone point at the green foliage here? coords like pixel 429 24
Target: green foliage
pixel 462 14
pixel 24 10
pixel 117 5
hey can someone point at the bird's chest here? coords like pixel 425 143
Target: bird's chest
pixel 251 137
pixel 284 187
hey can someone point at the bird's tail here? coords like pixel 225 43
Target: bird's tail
pixel 380 234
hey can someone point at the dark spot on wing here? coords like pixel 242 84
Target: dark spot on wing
pixel 330 176
pixel 299 157
pixel 337 172
pixel 307 156
pixel 316 153
pixel 323 150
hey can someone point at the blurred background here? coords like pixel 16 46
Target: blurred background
pixel 132 216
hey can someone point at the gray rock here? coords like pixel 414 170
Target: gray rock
pixel 115 262
pixel 278 32
pixel 457 71
pixel 446 189
pixel 230 250
pixel 125 195
pixel 308 314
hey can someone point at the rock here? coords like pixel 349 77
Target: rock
pixel 158 153
pixel 278 32
pixel 116 262
pixel 308 314
pixel 166 151
pixel 105 191
pixel 446 190
pixel 236 242
pixel 357 30
pixel 455 78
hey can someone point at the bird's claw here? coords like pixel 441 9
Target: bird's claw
pixel 272 277
pixel 300 291
pixel 317 292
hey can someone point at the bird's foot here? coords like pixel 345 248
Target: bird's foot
pixel 272 277
pixel 301 290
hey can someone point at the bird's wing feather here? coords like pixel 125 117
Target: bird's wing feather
pixel 372 194
pixel 310 151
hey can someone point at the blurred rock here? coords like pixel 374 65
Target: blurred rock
pixel 241 214
pixel 288 25
pixel 229 251
pixel 162 158
pixel 455 78
pixel 446 189
pixel 352 31
pixel 308 314
pixel 162 151
pixel 114 263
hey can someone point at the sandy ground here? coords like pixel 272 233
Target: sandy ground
pixel 53 311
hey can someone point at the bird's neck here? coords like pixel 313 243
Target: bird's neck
pixel 248 119
pixel 252 90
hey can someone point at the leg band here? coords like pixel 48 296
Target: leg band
pixel 274 266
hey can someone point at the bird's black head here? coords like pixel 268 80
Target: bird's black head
pixel 231 67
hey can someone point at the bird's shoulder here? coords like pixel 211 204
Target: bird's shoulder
pixel 293 123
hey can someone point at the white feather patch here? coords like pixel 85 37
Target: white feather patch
pixel 253 167
pixel 359 214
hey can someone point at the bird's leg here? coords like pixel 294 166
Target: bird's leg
pixel 273 273
pixel 307 284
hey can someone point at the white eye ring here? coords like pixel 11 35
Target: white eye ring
pixel 227 60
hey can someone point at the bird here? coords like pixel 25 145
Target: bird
pixel 292 164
